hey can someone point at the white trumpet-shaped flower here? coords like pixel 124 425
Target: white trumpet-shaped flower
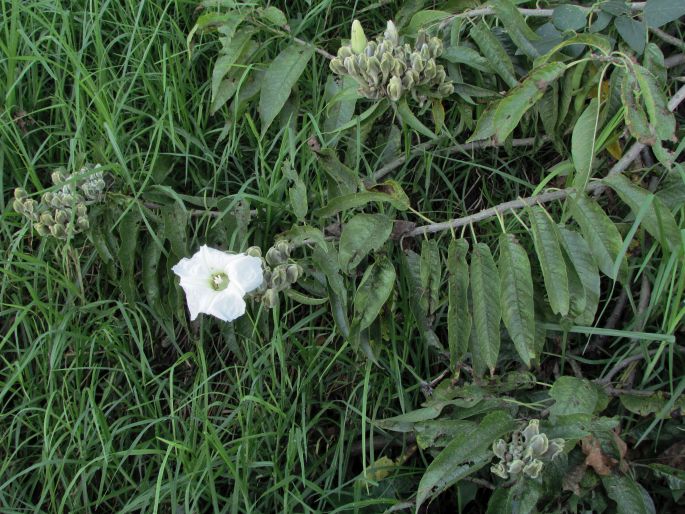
pixel 215 282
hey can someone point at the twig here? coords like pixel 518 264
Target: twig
pixel 674 60
pixel 318 50
pixel 664 36
pixel 540 199
pixel 622 364
pixel 533 13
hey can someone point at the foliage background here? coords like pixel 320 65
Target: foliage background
pixel 113 402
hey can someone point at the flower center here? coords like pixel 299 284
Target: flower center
pixel 219 281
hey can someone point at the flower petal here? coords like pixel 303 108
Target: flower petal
pixel 246 271
pixel 198 299
pixel 214 260
pixel 227 305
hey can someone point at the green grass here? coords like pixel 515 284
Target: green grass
pixel 112 405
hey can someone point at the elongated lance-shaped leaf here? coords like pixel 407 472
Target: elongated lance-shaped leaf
pixel 635 116
pixel 458 313
pixel 341 179
pixel 410 119
pixel 431 268
pixel 326 259
pixel 520 99
pixel 576 291
pixel 660 117
pixel 583 144
pixel 546 241
pixel 658 220
pixel 394 196
pixel 468 452
pixel 485 295
pixel 516 281
pixel 128 234
pixel 580 256
pixel 494 52
pixel 279 79
pixel 419 303
pixel 361 235
pixel 373 291
pixel 515 24
pixel 599 232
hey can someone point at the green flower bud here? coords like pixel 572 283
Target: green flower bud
pixel 279 278
pixel 538 445
pixel 270 298
pixel 499 448
pixel 349 64
pixel 391 33
pixel 58 231
pixel 283 246
pixel 395 89
pixel 344 51
pixel 515 467
pixel 20 194
pixel 499 470
pixel 81 210
pixel 425 52
pixel 30 208
pixel 533 468
pixel 254 251
pixel 409 79
pixel 61 217
pixel 41 229
pixel 293 272
pixel 337 67
pixel 46 219
pixel 370 49
pixel 435 47
pixel 58 176
pixel 18 206
pixel 417 62
pixel 556 447
pixel 358 39
pixel 387 64
pixel 430 70
pixel 83 223
pixel 446 89
pixel 531 430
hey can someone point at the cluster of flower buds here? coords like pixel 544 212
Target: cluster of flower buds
pixel 62 213
pixel 526 454
pixel 279 272
pixel 387 68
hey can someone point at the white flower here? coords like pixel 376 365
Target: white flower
pixel 215 282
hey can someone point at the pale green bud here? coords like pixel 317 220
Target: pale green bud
pixel 58 176
pixel 531 430
pixel 446 89
pixel 61 217
pixel 279 277
pixel 370 49
pixel 344 51
pixel 430 70
pixel 47 197
pixel 499 448
pixel 30 207
pixel 58 231
pixel 337 66
pixel 81 210
pixel 417 62
pixel 395 89
pixel 533 468
pixel 499 470
pixel 18 206
pixel 83 223
pixel 254 251
pixel 425 52
pixel 350 66
pixel 435 46
pixel 556 447
pixel 538 445
pixel 387 64
pixel 440 75
pixel 46 219
pixel 20 194
pixel 293 272
pixel 41 229
pixel 516 466
pixel 391 33
pixel 358 39
pixel 270 298
pixel 283 246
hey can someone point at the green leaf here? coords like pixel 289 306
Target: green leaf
pixel 151 257
pixel 223 90
pixel 658 220
pixel 326 260
pixel 653 404
pixel 515 24
pixel 485 128
pixel 374 290
pixel 634 114
pixel 576 291
pixel 304 299
pixel 656 104
pixel 599 231
pixel 468 56
pixel 458 314
pixel 419 303
pixel 675 478
pixel 546 240
pixel 273 15
pixel 629 496
pixel 412 121
pixel 661 12
pixel 298 200
pixel 128 235
pixel 438 433
pixel 430 273
pixel 494 52
pixel 298 234
pixel 426 17
pixel 601 43
pixel 581 258
pixel 654 62
pixel 633 32
pixel 572 396
pixel 468 452
pixel 176 218
pixel 518 311
pixel 569 17
pixel 583 144
pixel 521 498
pixel 279 79
pixel 341 179
pixel 512 107
pixel 361 235
pixel 340 106
pixel 397 198
pixel 485 295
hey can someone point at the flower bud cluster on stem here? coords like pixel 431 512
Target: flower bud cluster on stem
pixel 386 68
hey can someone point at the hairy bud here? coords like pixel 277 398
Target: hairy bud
pixel 358 39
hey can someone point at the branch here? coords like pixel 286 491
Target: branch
pixel 540 199
pixel 666 37
pixel 532 13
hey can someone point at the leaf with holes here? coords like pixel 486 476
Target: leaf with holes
pixel 494 52
pixel 361 235
pixel 373 291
